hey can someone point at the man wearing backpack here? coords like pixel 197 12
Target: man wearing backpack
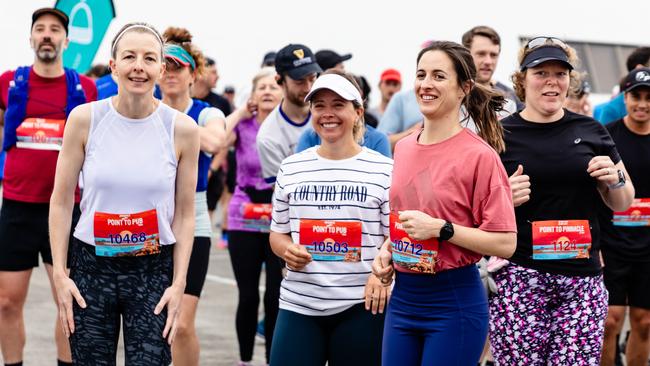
pixel 34 104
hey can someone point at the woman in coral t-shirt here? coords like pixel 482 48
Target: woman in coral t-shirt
pixel 450 205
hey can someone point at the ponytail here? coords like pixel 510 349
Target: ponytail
pixel 482 105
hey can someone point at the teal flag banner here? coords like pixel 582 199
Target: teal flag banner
pixel 89 20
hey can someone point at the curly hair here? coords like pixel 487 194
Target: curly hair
pixel 575 79
pixel 182 37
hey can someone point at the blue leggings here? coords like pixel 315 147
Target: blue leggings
pixel 439 320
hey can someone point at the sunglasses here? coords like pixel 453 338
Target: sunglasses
pixel 545 41
pixel 173 65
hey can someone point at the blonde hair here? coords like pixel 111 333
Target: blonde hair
pixel 139 27
pixel 359 128
pixel 519 76
pixel 261 74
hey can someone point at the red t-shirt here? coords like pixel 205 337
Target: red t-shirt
pixel 460 180
pixel 29 173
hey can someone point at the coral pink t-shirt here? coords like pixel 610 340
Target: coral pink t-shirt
pixel 461 180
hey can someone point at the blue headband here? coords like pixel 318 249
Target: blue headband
pixel 178 54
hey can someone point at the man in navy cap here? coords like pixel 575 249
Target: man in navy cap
pixel 278 136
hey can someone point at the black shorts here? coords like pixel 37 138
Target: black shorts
pixel 627 282
pixel 24 234
pixel 198 267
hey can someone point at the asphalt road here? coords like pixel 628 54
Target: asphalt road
pixel 215 318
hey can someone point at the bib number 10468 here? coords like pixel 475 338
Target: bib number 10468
pixel 118 235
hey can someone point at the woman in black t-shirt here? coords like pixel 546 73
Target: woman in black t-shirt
pixel 551 303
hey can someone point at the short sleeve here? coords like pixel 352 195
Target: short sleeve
pixel 390 122
pixel 280 222
pixel 493 209
pixel 384 209
pixel 271 156
pixel 611 110
pixel 379 143
pixel 208 114
pixel 308 139
pixel 608 147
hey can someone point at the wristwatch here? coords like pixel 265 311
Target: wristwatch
pixel 446 231
pixel 621 181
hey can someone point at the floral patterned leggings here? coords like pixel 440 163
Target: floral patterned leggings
pixel 539 318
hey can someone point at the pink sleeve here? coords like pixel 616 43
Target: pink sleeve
pixel 493 209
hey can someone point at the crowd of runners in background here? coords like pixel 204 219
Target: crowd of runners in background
pixel 456 221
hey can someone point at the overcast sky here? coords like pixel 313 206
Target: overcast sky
pixel 379 34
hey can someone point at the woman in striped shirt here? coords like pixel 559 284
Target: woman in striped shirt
pixel 330 216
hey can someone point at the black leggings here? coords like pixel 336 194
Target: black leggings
pixel 121 287
pixel 248 250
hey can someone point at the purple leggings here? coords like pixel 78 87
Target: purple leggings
pixel 538 318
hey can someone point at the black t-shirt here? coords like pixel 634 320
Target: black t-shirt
pixel 555 155
pixel 624 242
pixel 218 101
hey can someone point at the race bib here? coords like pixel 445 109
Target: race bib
pixel 637 215
pixel 561 239
pixel 40 134
pixel 338 241
pixel 119 235
pixel 257 216
pixel 410 255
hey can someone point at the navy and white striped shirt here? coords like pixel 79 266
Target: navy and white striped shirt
pixel 352 190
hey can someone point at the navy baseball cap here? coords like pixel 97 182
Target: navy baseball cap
pixel 327 58
pixel 297 61
pixel 269 59
pixel 636 78
pixel 542 54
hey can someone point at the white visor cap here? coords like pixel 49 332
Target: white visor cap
pixel 338 84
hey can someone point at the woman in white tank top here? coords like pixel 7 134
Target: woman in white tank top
pixel 138 158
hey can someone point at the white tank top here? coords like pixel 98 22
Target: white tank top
pixel 130 167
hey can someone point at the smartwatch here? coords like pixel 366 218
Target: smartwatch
pixel 621 181
pixel 446 231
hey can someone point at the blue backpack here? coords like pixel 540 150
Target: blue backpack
pixel 18 95
pixel 204 159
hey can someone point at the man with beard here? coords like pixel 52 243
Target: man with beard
pixel 278 136
pixel 34 103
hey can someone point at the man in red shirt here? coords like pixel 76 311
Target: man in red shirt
pixel 34 104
